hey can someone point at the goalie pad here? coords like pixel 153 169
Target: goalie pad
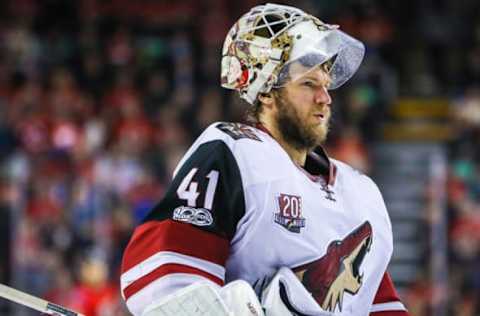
pixel 202 299
pixel 241 299
pixel 194 300
pixel 285 295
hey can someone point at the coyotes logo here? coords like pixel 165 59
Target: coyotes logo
pixel 338 271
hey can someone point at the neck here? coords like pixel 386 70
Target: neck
pixel 297 155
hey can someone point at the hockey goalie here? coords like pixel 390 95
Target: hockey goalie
pixel 258 220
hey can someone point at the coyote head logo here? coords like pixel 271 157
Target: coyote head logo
pixel 338 271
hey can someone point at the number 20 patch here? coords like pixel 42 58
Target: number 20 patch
pixel 290 212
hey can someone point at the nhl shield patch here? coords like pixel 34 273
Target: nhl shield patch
pixel 290 212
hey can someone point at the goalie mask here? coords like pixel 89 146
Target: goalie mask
pixel 260 49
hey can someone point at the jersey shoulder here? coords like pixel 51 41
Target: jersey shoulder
pixel 351 175
pixel 226 132
pixel 257 155
pixel 364 184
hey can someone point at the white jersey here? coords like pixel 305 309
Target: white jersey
pixel 240 208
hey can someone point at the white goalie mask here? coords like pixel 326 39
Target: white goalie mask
pixel 260 48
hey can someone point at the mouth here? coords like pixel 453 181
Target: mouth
pixel 359 259
pixel 320 117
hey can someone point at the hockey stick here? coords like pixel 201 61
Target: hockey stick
pixel 34 302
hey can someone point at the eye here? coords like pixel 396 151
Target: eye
pixel 309 84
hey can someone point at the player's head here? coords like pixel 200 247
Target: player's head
pixel 282 61
pixel 262 47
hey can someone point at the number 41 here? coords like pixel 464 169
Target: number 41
pixel 188 189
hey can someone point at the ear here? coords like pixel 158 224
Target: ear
pixel 266 98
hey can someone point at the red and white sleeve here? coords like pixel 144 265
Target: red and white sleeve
pixel 386 301
pixel 164 256
pixel 186 237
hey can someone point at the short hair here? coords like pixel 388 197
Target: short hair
pixel 254 110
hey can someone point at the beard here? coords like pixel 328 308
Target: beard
pixel 293 130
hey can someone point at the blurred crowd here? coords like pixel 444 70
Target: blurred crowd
pixel 100 99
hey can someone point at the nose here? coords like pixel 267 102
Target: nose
pixel 322 96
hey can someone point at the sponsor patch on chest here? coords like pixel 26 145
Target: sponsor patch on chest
pixel 289 213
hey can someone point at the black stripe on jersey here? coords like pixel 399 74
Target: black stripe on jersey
pixel 317 163
pixel 286 301
pixel 228 203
